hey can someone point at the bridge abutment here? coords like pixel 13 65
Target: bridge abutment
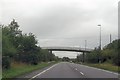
pixel 50 51
pixel 83 57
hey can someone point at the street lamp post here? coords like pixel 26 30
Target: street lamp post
pixel 99 43
pixel 85 44
pixel 100 37
pixel 110 38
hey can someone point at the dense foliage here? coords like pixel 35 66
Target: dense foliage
pixel 20 47
pixel 110 54
pixel 65 59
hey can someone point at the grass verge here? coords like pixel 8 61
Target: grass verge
pixel 20 68
pixel 105 66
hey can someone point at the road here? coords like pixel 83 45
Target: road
pixel 70 70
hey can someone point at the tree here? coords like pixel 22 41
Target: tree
pixel 27 48
pixel 9 41
pixel 94 56
pixel 21 47
pixel 65 59
pixel 79 58
pixel 107 55
pixel 8 48
pixel 111 52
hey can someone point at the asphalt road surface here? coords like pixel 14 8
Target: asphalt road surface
pixel 70 70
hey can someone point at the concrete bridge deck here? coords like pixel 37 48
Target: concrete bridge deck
pixel 75 49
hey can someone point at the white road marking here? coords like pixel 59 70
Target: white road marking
pixel 75 68
pixel 100 69
pixel 82 73
pixel 43 72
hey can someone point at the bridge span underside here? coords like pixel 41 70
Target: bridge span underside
pixel 73 49
pixel 68 50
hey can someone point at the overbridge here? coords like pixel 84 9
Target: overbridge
pixel 74 49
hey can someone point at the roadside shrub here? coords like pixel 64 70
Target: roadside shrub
pixel 93 57
pixel 6 62
pixel 79 58
pixel 116 59
pixel 33 59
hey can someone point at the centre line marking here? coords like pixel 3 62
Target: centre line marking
pixel 82 73
pixel 75 68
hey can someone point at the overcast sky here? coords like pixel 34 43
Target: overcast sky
pixel 64 22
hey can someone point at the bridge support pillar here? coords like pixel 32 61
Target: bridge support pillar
pixel 83 57
pixel 50 51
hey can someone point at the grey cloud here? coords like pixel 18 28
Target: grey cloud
pixel 58 19
pixel 67 23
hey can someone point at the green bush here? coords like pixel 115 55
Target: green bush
pixel 6 62
pixel 79 58
pixel 93 57
pixel 116 59
pixel 33 59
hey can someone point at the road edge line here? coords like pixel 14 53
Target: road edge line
pixel 43 71
pixel 100 69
